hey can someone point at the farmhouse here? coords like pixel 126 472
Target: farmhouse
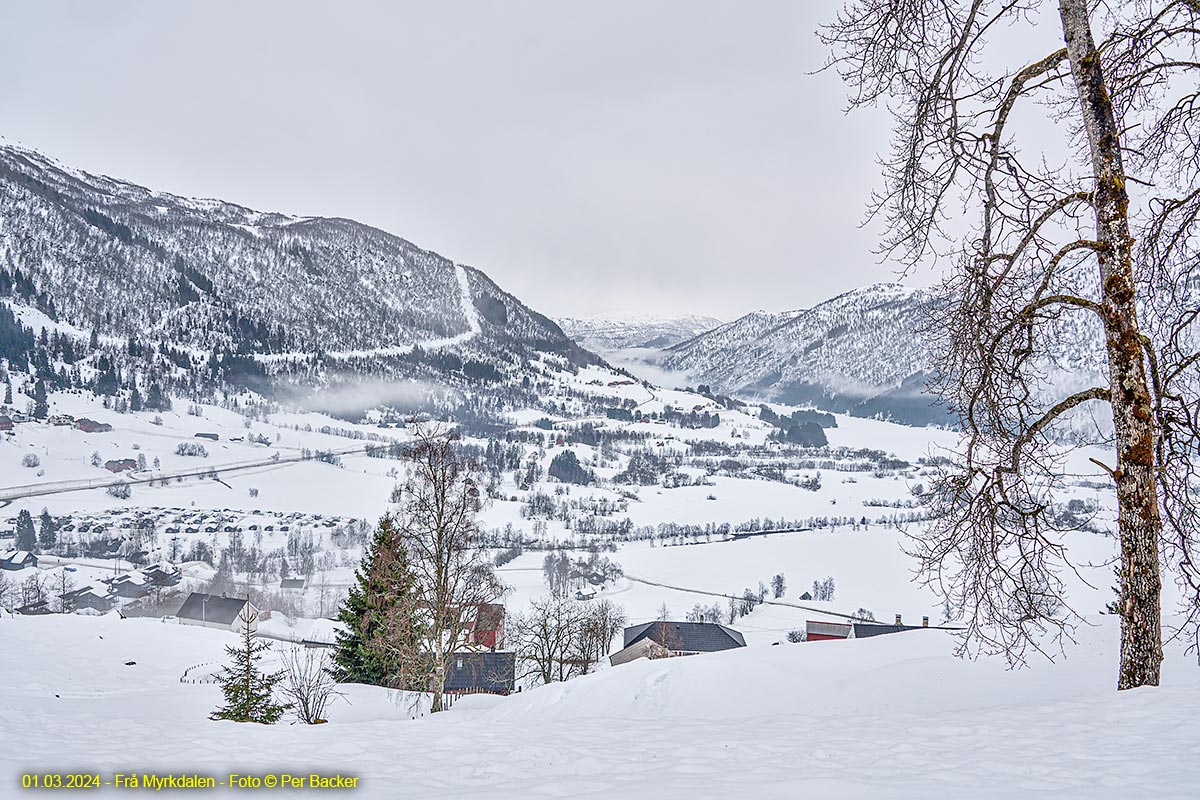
pixel 120 465
pixel 210 436
pixel 211 611
pixel 487 629
pixel 682 638
pixel 92 426
pixel 17 559
pixel 6 423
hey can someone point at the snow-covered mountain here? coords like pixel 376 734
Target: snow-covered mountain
pixel 125 261
pixel 865 352
pixel 610 334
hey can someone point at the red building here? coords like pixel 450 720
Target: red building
pixel 818 631
pixel 487 629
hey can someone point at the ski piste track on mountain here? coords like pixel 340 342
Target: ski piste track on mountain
pixel 469 313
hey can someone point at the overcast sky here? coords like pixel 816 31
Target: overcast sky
pixel 593 158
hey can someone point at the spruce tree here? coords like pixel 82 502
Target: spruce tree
pixel 135 397
pixel 26 535
pixel 47 532
pixel 41 408
pixel 377 613
pixel 248 690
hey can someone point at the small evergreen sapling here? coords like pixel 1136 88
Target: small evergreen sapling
pixel 248 690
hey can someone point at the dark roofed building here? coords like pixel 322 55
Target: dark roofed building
pixel 17 559
pixel 820 631
pixel 163 574
pixel 89 597
pixel 213 611
pixel 489 671
pixel 292 583
pixel 686 638
pixel 37 609
pixel 863 630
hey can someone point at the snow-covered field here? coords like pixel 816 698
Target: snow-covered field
pixel 893 716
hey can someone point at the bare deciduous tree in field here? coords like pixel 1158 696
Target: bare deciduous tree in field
pixel 1096 228
pixel 307 683
pixel 437 524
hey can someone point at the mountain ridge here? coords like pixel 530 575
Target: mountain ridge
pixel 204 274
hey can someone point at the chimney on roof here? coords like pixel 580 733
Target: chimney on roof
pixel 898 622
pixel 924 622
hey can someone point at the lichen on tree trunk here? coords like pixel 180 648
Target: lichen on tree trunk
pixel 1139 522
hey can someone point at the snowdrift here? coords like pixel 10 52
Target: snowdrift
pixel 893 716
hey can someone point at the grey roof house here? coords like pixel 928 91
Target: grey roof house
pixel 676 638
pixel 212 611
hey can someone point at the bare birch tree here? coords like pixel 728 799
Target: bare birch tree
pixel 1107 235
pixel 437 523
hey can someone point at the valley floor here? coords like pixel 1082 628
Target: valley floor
pixel 893 716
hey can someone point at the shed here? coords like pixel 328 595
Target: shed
pixel 821 631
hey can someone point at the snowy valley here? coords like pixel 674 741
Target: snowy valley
pixel 207 401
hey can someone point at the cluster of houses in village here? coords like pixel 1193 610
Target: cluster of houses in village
pixel 100 594
pixel 190 520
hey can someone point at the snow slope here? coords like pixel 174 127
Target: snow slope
pixel 895 716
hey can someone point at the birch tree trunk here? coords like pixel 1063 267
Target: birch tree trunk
pixel 1139 522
